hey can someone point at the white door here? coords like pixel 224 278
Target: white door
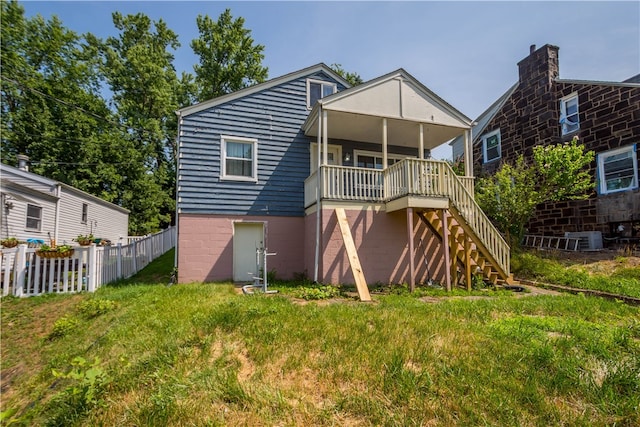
pixel 247 238
pixel 334 155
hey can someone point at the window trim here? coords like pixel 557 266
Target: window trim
pixel 322 83
pixel 396 157
pixel 563 113
pixel 85 213
pixel 484 145
pixel 602 183
pixel 27 217
pixel 223 158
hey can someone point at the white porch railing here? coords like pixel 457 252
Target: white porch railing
pixel 24 273
pixel 429 178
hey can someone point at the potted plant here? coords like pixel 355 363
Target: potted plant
pixel 10 242
pixel 62 251
pixel 84 239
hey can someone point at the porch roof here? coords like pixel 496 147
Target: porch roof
pixel 356 113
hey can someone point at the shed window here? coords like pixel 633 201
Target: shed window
pixel 34 217
pixel 618 170
pixel 492 146
pixel 317 89
pixel 569 119
pixel 85 211
pixel 239 159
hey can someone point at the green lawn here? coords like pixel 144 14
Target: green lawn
pixel 145 354
pixel 619 275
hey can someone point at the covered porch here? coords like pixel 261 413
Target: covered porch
pixel 381 122
pixel 371 146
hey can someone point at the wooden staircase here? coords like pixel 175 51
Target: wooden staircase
pixel 466 249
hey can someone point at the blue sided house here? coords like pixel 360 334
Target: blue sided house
pixel 336 181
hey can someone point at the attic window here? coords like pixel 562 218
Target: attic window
pixel 569 119
pixel 85 211
pixel 317 89
pixel 491 146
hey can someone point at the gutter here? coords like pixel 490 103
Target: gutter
pixel 57 217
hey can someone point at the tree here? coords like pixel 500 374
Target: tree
pixel 354 79
pixel 229 59
pixel 510 196
pixel 51 107
pixel 138 66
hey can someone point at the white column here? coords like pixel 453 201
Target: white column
pixel 325 139
pixel 384 144
pixel 421 154
pixel 468 153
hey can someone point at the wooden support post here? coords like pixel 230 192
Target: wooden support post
pixel 453 244
pixel 354 261
pixel 445 249
pixel 412 265
pixel 467 262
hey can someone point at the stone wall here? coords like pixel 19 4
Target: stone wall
pixel 609 116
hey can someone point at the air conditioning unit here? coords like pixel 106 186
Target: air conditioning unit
pixel 589 240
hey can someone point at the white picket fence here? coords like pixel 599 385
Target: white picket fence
pixel 24 273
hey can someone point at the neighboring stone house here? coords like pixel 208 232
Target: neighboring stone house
pixel 544 109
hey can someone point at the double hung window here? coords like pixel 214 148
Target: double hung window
pixel 239 159
pixel 618 170
pixel 491 146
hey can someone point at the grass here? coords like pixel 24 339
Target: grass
pixel 618 276
pixel 148 354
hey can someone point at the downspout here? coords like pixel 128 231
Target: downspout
pixel 57 218
pixel 177 246
pixel 318 192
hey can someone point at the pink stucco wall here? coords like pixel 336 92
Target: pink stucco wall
pixel 205 246
pixel 382 244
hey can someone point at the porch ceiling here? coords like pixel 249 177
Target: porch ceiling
pixel 364 128
pixel 357 113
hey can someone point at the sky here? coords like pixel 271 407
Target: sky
pixel 466 52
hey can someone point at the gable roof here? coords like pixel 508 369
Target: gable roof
pixel 355 113
pixel 483 119
pixel 34 177
pixel 262 86
pixel 419 98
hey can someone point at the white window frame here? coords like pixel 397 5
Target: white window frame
pixel 223 158
pixel 27 217
pixel 574 119
pixel 85 213
pixel 485 137
pixel 602 184
pixel 322 85
pixel 396 157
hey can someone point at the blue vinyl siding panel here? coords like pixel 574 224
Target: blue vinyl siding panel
pixel 274 118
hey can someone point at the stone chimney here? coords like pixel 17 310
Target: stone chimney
pixel 540 68
pixel 23 162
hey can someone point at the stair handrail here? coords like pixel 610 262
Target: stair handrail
pixel 437 178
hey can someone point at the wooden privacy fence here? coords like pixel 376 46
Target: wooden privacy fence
pixel 24 273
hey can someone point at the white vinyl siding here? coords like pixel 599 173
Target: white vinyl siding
pixel 239 159
pixel 317 89
pixel 618 170
pixel 34 217
pixel 569 114
pixel 103 221
pixel 491 146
